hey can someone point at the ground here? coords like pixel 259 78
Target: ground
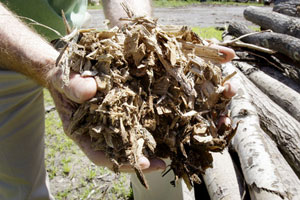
pixel 72 175
pixel 206 15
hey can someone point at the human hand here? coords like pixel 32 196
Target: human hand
pixel 79 90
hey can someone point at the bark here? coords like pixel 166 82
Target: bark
pixel 277 22
pixel 285 172
pixel 276 122
pixel 258 160
pixel 284 96
pixel 282 43
pixel 222 181
pixel 264 58
pixel 287 7
pixel 276 74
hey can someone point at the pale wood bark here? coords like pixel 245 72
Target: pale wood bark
pixel 287 7
pixel 284 96
pixel 257 159
pixel 277 74
pixel 277 22
pixel 282 43
pixel 285 172
pixel 276 122
pixel 222 181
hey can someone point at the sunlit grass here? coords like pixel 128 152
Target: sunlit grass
pixel 208 32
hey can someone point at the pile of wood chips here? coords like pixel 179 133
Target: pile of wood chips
pixel 158 95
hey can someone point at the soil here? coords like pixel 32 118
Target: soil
pixel 196 15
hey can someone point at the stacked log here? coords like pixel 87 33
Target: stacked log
pixel 265 110
pixel 287 7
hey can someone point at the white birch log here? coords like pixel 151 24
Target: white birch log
pixel 222 181
pixel 257 162
pixel 276 122
pixel 285 172
pixel 284 96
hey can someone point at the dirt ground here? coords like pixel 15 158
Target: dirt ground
pixel 197 15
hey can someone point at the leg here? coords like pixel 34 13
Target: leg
pixel 22 169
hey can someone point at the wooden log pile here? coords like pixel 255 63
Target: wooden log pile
pixel 263 160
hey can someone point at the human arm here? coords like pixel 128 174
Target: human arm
pixel 24 51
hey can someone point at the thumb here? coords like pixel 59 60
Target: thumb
pixel 80 89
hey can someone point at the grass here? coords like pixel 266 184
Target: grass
pixel 178 3
pixel 95 7
pixel 208 32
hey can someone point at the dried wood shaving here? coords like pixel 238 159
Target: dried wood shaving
pixel 157 95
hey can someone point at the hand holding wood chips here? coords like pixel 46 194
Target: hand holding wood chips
pixel 158 95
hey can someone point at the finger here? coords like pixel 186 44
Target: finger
pixel 223 120
pixel 80 88
pixel 146 165
pixel 143 162
pixel 229 53
pixel 155 164
pixel 230 90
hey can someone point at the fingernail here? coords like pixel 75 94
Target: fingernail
pixel 229 90
pixel 227 121
pixel 143 163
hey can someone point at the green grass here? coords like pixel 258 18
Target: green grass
pixel 208 32
pixel 95 7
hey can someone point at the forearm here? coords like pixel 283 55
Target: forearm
pixel 114 11
pixel 23 50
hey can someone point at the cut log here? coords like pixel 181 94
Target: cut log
pixel 257 159
pixel 285 172
pixel 282 43
pixel 284 96
pixel 276 74
pixel 276 122
pixel 287 7
pixel 277 22
pixel 264 58
pixel 222 181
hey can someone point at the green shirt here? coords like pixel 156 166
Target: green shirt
pixel 48 12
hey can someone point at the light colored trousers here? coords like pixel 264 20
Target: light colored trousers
pixel 22 169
